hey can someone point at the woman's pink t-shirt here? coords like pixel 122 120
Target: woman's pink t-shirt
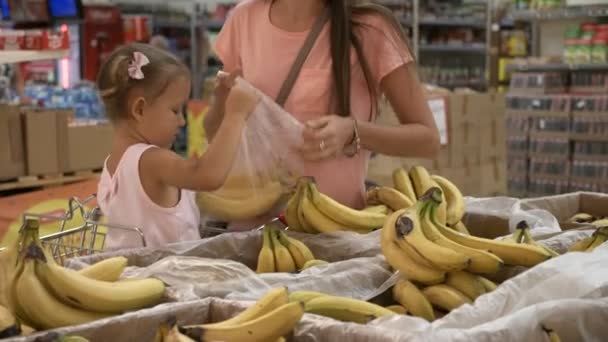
pixel 265 53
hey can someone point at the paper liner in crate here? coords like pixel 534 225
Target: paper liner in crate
pixel 567 294
pixel 265 168
pixel 223 265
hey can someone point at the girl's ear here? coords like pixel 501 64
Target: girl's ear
pixel 136 108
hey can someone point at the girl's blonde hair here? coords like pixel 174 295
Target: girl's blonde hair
pixel 116 86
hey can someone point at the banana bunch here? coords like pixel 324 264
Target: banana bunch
pixel 311 211
pixel 9 326
pixel 424 250
pixel 281 253
pixel 339 308
pixel 269 319
pixel 599 236
pixel 240 203
pixel 418 181
pixel 581 218
pixel 44 295
pixel 522 235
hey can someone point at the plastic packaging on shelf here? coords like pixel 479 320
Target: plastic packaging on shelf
pixel 517 144
pixel 551 103
pixel 550 124
pixel 549 166
pixel 517 165
pixel 541 83
pixel 557 146
pixel 591 149
pixel 543 186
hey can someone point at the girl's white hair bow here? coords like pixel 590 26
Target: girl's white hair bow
pixel 139 60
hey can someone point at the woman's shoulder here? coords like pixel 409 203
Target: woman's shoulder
pixel 247 8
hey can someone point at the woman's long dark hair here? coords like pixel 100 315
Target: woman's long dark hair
pixel 344 29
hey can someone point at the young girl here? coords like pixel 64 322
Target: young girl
pixel 143 181
pixel 360 54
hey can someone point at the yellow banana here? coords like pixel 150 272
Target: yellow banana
pixel 291 211
pixel 344 215
pixel 600 223
pixel 412 299
pixel 400 260
pixel 408 229
pixel 445 297
pixel 107 270
pixel 273 299
pixel 581 218
pixel 390 197
pixel 398 309
pixel 481 261
pixel 169 332
pixel 100 296
pixel 346 309
pixel 597 241
pixel 582 245
pixel 9 326
pixel 300 253
pixel 8 265
pixel 403 183
pixel 268 327
pixel 466 283
pixel 527 238
pixel 380 209
pixel 487 284
pixel 415 255
pixel 317 219
pixel 240 209
pixel 46 311
pixel 460 227
pixel 313 263
pixel 454 199
pixel 422 181
pixel 266 257
pixel 282 258
pixel 551 334
pixel 304 296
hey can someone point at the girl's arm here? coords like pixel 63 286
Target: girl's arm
pixel 214 116
pixel 210 171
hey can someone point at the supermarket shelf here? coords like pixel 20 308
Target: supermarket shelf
pixel 453 48
pixel 17 56
pixel 215 25
pixel 458 84
pixel 561 13
pixel 37 181
pixel 453 22
pixel 557 67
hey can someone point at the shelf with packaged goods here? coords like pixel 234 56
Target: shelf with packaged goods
pixel 557 67
pixel 575 12
pixel 17 56
pixel 467 48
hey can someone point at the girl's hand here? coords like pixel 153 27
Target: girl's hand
pixel 326 137
pixel 240 103
pixel 223 83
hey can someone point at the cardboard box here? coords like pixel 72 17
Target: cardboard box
pixel 42 129
pixel 85 147
pixel 12 160
pixel 493 178
pixel 563 207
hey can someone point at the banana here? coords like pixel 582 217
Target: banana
pixel 304 296
pixel 581 218
pixel 380 209
pixel 317 219
pixel 169 332
pixel 415 255
pixel 517 236
pixel 454 199
pixel 422 181
pixel 107 270
pixel 582 245
pixel 597 241
pixel 527 238
pixel 344 215
pixel 398 309
pixel 26 330
pixel 240 209
pixel 9 326
pixel 600 223
pixel 266 257
pixel 551 334
pixel 401 260
pixel 403 183
pixel 46 311
pixel 268 327
pixel 390 197
pixel 445 297
pixel 313 263
pixel 510 253
pixel 300 253
pixel 412 299
pixel 273 299
pixel 408 230
pixel 487 284
pixel 100 296
pixel 346 309
pixel 282 258
pixel 8 265
pixel 291 211
pixel 460 227
pixel 467 283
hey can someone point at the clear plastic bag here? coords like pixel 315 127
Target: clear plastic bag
pixel 265 168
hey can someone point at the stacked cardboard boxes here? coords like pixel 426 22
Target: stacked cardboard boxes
pixel 37 142
pixel 473 152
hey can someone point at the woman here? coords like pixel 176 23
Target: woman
pixel 359 54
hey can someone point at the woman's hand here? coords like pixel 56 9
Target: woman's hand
pixel 325 137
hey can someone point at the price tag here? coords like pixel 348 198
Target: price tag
pixel 439 113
